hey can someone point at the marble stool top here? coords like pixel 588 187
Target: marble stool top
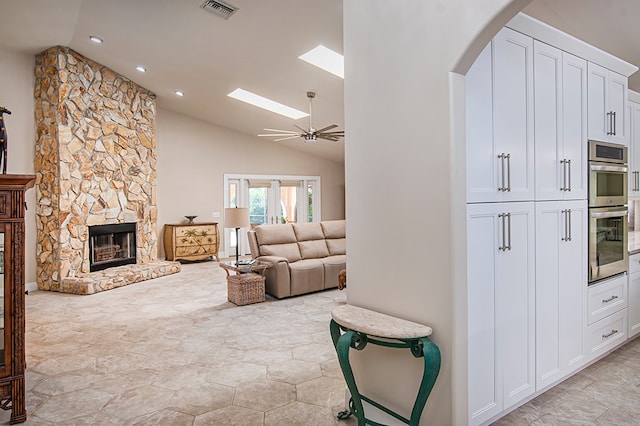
pixel 377 324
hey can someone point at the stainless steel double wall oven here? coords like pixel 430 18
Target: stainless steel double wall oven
pixel 608 210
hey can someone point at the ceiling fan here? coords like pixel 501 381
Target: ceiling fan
pixel 310 134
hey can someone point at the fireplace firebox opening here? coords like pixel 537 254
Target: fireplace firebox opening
pixel 112 245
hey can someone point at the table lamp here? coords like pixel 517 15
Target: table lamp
pixel 236 217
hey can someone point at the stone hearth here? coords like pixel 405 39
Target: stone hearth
pixel 95 164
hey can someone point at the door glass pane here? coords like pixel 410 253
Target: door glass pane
pixel 1 298
pixel 233 202
pixel 288 204
pixel 258 206
pixel 310 203
pixel 609 240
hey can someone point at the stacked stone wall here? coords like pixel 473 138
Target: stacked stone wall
pixel 95 161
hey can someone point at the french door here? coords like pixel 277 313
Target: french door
pixel 271 199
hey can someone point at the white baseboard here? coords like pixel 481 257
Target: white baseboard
pixel 33 286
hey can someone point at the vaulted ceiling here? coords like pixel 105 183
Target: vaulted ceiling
pixel 187 48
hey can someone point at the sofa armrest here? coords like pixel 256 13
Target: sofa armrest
pixel 278 278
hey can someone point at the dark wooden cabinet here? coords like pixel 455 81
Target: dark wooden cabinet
pixel 12 318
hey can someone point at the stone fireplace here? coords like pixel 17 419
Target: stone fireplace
pixel 95 164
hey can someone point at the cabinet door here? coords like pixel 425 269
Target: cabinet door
pixel 618 107
pixel 482 172
pixel 561 285
pixel 483 240
pixel 515 306
pixel 501 306
pixel 551 176
pixel 634 304
pixel 513 114
pixel 574 126
pixel 634 148
pixel 599 121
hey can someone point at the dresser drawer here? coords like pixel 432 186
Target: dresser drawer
pixel 606 298
pixel 634 263
pixel 184 234
pixel 607 333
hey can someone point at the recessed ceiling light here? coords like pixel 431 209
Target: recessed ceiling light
pixel 325 58
pixel 268 104
pixel 95 39
pixel 179 93
pixel 141 68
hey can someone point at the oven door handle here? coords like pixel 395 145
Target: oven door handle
pixel 608 168
pixel 601 215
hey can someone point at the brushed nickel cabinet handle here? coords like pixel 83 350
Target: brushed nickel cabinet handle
pixel 503 247
pixel 564 175
pixel 569 220
pixel 614 123
pixel 569 169
pixel 509 173
pixel 611 299
pixel 606 336
pixel 565 237
pixel 610 116
pixel 509 239
pixel 501 157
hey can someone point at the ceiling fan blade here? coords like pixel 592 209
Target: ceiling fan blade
pixel 285 138
pixel 329 138
pixel 280 131
pixel 279 134
pixel 327 128
pixel 336 133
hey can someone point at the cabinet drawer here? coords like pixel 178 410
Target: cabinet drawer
pixel 634 263
pixel 607 333
pixel 182 251
pixel 606 298
pixel 189 232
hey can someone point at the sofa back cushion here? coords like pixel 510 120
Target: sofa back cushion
pixel 334 228
pixel 335 232
pixel 310 240
pixel 337 246
pixel 278 240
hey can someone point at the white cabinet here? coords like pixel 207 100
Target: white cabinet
pixel 560 93
pixel 634 295
pixel 501 324
pixel 633 109
pixel 561 266
pixel 607 105
pixel 606 297
pixel 499 98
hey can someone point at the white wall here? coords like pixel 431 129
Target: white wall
pixel 404 152
pixel 16 94
pixel 193 157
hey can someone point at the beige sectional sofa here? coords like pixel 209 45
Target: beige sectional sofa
pixel 306 257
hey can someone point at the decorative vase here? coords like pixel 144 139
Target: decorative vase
pixel 190 219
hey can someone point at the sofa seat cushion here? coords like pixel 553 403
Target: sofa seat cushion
pixel 332 267
pixel 337 245
pixel 313 249
pixel 307 275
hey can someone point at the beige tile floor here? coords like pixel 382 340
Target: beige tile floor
pixel 174 351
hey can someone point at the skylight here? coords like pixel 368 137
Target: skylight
pixel 268 104
pixel 325 58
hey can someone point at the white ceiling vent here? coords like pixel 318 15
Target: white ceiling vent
pixel 219 7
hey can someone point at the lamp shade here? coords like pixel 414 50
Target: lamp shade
pixel 237 217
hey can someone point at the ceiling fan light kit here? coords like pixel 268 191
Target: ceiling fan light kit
pixel 310 134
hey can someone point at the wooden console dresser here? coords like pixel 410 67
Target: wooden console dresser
pixel 12 320
pixel 191 241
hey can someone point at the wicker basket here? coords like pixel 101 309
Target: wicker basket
pixel 244 289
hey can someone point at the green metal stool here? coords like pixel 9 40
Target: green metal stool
pixel 354 327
